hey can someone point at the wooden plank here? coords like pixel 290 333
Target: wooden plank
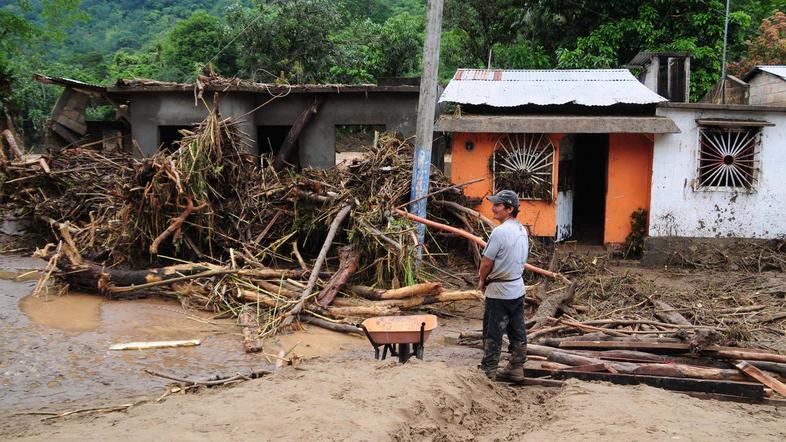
pixel 656 347
pixel 762 377
pixel 668 347
pixel 730 388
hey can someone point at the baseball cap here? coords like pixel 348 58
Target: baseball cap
pixel 506 197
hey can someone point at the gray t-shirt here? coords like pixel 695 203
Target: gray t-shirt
pixel 508 246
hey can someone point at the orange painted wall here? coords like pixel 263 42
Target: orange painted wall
pixel 629 180
pixel 540 217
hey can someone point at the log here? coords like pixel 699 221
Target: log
pixel 731 388
pixel 373 294
pixel 312 280
pixel 762 377
pixel 294 133
pixel 459 295
pixel 770 366
pixel 250 324
pixel 422 289
pixel 669 314
pixel 747 354
pixel 349 259
pixel 361 310
pixel 336 327
pixel 12 146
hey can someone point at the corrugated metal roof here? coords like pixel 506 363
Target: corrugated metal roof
pixel 777 70
pixel 506 88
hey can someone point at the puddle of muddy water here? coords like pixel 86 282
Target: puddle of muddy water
pixel 74 312
pixel 55 349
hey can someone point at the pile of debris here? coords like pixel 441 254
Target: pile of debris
pixel 241 234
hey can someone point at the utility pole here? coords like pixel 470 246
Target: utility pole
pixel 723 63
pixel 424 135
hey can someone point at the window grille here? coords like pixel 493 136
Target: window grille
pixel 524 163
pixel 728 157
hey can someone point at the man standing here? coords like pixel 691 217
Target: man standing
pixel 500 279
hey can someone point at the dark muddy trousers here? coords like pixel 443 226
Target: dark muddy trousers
pixel 503 316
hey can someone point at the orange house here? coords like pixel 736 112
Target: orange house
pixel 575 144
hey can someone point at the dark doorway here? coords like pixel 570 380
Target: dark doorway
pixel 589 205
pixel 169 136
pixel 270 140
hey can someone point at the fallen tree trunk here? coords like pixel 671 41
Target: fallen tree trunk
pixel 422 289
pixel 459 295
pixel 294 133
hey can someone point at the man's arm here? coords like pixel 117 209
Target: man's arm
pixel 486 265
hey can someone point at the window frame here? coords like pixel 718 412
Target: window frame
pixel 548 143
pixel 754 169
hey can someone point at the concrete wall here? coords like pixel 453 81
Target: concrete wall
pixel 677 209
pixel 396 111
pixel 767 89
pixel 147 112
pixel 539 216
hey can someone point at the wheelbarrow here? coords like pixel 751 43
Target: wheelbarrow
pixel 402 336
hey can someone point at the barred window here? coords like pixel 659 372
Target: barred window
pixel 524 163
pixel 728 157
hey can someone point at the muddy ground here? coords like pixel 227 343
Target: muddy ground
pixel 54 358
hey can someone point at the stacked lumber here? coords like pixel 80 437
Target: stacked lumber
pixel 670 363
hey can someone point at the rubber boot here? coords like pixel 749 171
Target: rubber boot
pixel 514 371
pixel 490 358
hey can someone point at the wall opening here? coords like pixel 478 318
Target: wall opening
pixel 169 136
pixel 270 140
pixel 353 140
pixel 590 182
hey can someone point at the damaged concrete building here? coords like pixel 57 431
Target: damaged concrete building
pixel 151 114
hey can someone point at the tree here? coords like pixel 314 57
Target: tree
pixel 25 28
pixel 486 22
pixel 293 38
pixel 691 26
pixel 767 47
pixel 195 41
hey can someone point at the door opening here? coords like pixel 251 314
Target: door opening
pixel 590 173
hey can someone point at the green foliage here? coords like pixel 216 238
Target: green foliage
pixel 193 42
pixel 292 38
pixel 634 242
pixel 357 41
pixel 488 22
pixel 692 26
pixel 767 47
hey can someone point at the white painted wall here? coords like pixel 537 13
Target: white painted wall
pixel 565 197
pixel 677 209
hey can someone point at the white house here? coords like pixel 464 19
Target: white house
pixel 723 175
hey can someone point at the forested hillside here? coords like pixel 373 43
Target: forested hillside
pixel 353 41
